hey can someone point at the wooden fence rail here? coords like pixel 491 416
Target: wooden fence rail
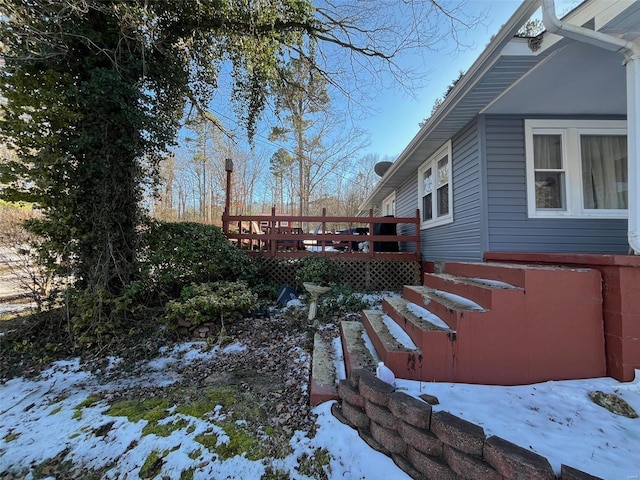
pixel 298 236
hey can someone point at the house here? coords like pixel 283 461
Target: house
pixel 527 185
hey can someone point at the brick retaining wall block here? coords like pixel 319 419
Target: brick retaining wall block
pixel 356 373
pixel 515 462
pixel 374 389
pixel 422 440
pixel 349 394
pixel 469 467
pixel 381 415
pixel 431 467
pixel 356 416
pixel 410 409
pixel 389 439
pixel 458 433
pixel 406 467
pixel 570 473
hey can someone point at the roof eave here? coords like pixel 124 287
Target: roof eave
pixel 483 63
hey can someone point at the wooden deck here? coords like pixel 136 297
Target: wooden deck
pixel 286 236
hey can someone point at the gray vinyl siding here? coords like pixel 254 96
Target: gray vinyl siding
pixel 509 228
pixel 462 239
pixel 406 205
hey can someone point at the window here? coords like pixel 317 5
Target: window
pixel 576 168
pixel 389 205
pixel 434 188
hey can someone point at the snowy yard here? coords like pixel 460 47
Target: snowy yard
pixel 72 418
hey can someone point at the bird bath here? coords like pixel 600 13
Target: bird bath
pixel 315 291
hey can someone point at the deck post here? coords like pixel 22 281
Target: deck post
pixel 372 231
pixel 271 231
pixel 418 251
pixel 324 230
pixel 228 167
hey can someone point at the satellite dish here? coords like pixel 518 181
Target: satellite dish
pixel 381 167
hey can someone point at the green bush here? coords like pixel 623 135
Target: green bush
pixel 341 301
pixel 211 301
pixel 318 270
pixel 178 254
pixel 99 317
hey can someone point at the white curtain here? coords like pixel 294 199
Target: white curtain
pixel 547 153
pixel 549 171
pixel 604 171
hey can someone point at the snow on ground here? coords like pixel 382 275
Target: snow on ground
pixel 555 419
pixel 40 419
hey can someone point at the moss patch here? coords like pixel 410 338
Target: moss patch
pixel 151 409
pixel 194 402
pixel 613 403
pixel 9 437
pixel 271 474
pixel 241 440
pixel 195 454
pixel 88 402
pixel 56 410
pixel 316 465
pixel 152 465
pixel 164 429
pixel 207 399
pixel 187 474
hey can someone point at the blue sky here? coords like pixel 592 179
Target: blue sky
pixel 393 118
pixel 396 121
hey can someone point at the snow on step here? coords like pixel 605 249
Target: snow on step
pixel 369 344
pixel 323 368
pixel 338 359
pixel 493 283
pixel 398 333
pixel 323 384
pixel 462 302
pixel 427 316
pixel 400 305
pixel 359 351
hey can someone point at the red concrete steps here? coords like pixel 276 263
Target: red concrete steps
pixel 356 347
pixel 510 274
pixel 401 355
pixel 323 383
pixel 448 307
pixel 430 334
pixel 482 291
pixel 494 324
pixel 415 326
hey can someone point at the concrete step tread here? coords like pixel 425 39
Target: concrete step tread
pixel 358 346
pixel 392 336
pixel 426 321
pixel 477 282
pixel 324 375
pixel 519 266
pixel 323 366
pixel 450 300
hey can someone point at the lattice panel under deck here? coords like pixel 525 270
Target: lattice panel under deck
pixel 360 274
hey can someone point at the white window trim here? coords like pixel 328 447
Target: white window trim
pixel 390 200
pixel 432 162
pixel 570 131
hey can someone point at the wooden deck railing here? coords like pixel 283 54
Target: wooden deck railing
pixel 297 236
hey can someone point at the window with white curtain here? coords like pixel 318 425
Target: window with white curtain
pixel 435 190
pixel 576 168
